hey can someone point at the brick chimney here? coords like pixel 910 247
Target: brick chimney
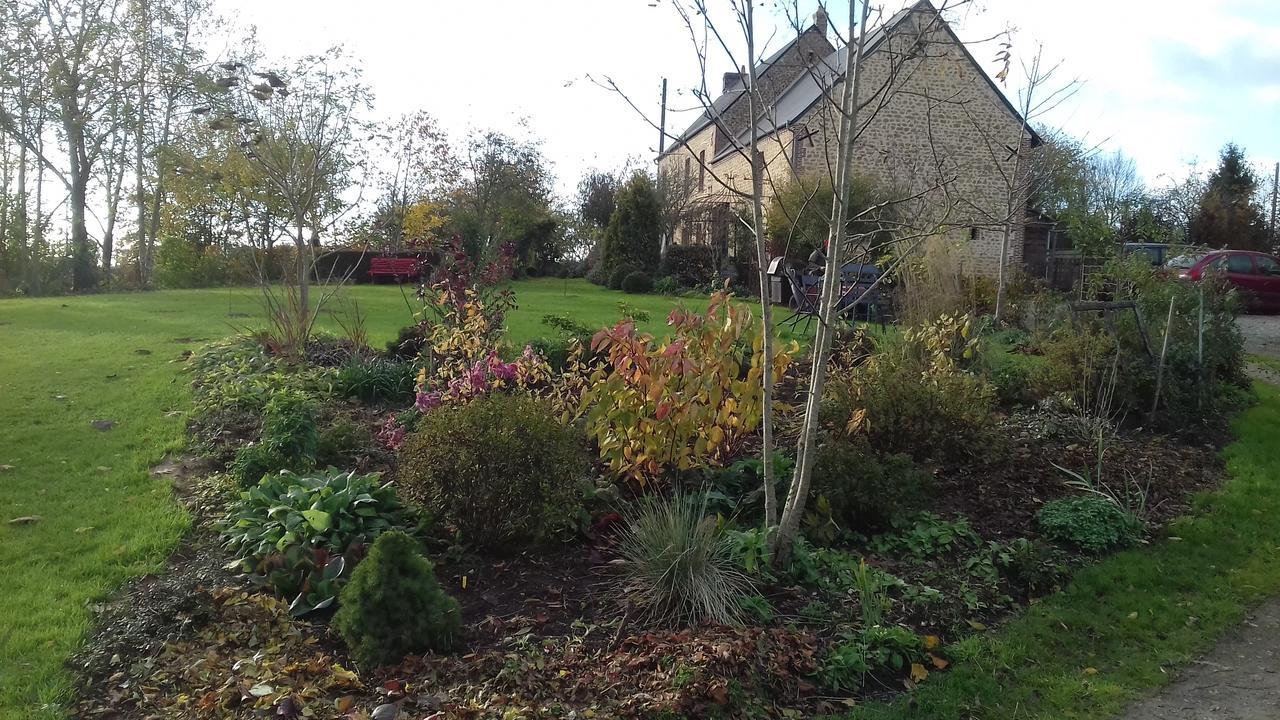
pixel 731 80
pixel 820 20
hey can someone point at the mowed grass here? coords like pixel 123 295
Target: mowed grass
pixel 1123 627
pixel 66 362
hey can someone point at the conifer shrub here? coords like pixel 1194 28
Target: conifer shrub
pixel 394 606
pixel 637 282
pixel 619 274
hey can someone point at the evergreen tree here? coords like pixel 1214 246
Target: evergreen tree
pixel 634 234
pixel 1228 215
pixel 394 606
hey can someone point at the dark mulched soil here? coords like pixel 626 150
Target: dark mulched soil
pixel 544 634
pixel 1002 495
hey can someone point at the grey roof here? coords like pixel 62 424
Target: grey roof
pixel 810 87
pixel 722 104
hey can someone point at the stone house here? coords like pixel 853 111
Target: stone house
pixel 934 133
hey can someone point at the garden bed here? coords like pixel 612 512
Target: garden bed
pixel 504 538
pixel 544 632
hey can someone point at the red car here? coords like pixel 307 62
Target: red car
pixel 1255 275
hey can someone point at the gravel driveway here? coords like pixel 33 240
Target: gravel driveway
pixel 1261 334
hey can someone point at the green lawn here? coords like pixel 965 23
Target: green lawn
pixel 69 361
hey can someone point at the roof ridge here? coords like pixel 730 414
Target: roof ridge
pixel 727 98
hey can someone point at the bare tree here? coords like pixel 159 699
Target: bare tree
pixel 302 134
pixel 1040 94
pixel 165 49
pixel 806 449
pixel 424 165
pixel 76 46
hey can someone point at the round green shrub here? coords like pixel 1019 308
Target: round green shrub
pixel 1013 384
pixel 408 343
pixel 690 265
pixel 866 492
pixel 619 274
pixel 598 275
pixel 500 469
pixel 1092 523
pixel 394 606
pixel 637 282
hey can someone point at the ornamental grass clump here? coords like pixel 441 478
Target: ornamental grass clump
pixel 394 606
pixel 679 565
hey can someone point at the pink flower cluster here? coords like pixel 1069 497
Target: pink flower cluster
pixel 391 433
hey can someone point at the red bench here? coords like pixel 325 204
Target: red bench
pixel 397 268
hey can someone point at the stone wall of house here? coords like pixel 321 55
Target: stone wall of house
pixel 932 130
pixel 733 170
pixel 728 179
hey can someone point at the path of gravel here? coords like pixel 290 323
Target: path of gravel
pixel 1238 680
pixel 1261 334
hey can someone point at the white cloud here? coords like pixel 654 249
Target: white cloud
pixel 487 64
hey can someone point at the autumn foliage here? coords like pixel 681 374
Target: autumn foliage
pixel 663 407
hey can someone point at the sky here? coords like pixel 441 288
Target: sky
pixel 1168 82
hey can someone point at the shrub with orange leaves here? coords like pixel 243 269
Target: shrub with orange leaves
pixel 662 407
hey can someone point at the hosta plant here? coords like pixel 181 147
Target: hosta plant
pixel 299 535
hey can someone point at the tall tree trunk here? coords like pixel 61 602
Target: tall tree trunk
pixel 806 449
pixel 37 236
pixel 140 173
pixel 115 186
pixel 6 177
pixel 142 40
pixel 304 275
pixel 762 262
pixel 82 263
pixel 20 234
